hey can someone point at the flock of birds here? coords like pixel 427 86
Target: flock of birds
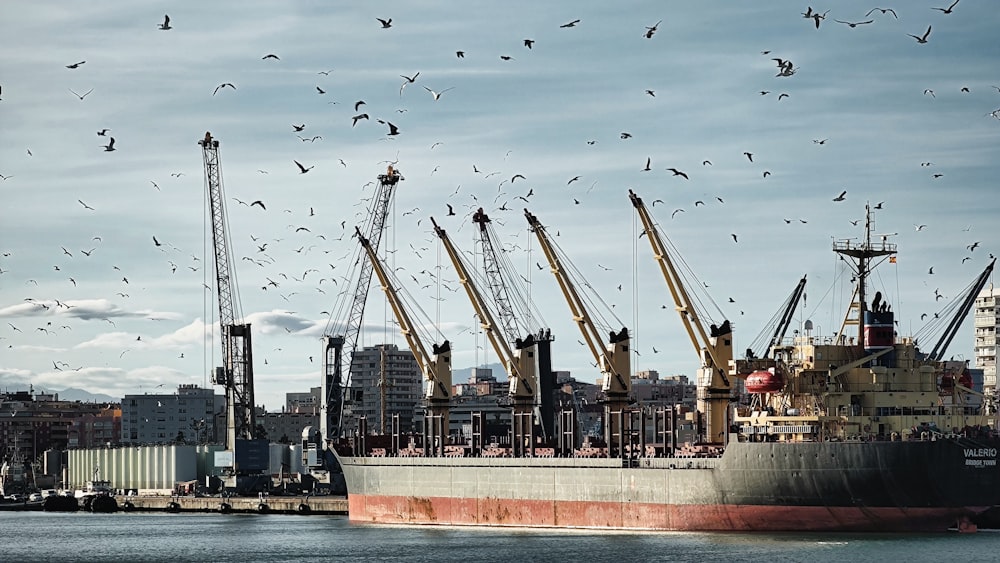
pixel 308 231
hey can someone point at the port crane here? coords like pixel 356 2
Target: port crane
pixel 245 466
pixel 236 372
pixel 435 367
pixel 614 358
pixel 521 364
pixel 335 362
pixel 715 348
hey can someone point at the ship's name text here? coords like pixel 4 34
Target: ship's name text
pixel 981 457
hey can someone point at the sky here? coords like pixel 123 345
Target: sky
pixel 89 300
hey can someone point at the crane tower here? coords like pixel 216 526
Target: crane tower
pixel 335 362
pixel 236 372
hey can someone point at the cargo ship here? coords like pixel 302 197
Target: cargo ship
pixel 860 431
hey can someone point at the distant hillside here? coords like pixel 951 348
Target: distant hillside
pixel 72 394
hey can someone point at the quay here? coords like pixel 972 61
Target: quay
pixel 329 505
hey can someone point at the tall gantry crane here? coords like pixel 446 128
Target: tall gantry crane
pixel 614 358
pixel 236 372
pixel 335 362
pixel 714 348
pixel 435 367
pixel 521 366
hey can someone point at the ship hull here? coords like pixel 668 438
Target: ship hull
pixel 822 486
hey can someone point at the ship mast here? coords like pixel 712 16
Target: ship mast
pixel 863 254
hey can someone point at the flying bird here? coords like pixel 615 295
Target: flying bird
pixel 529 42
pixel 386 24
pixel 648 34
pixel 504 58
pixel 75 65
pixel 570 24
pixel 103 132
pixel 883 10
pixel 948 9
pixel 156 242
pixel 734 237
pixel 270 56
pixel 451 210
pixel 302 169
pixel 676 211
pixel 922 39
pixel 223 85
pixel 110 146
pixel 393 130
pixel 260 203
pixel 81 96
pixel 437 95
pixel 320 91
pixel 649 161
pixel 354 120
pixel 853 24
pixel 298 127
pixel 679 173
pixel 460 54
pixel 166 23
pixel 749 156
pixel 85 206
pixel 841 196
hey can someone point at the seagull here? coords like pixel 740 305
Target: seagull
pixel 734 237
pixel 841 196
pixel 648 34
pixel 676 211
pixel 460 54
pixel 110 146
pixel 973 246
pixel 75 65
pixel 302 169
pixel 298 127
pixel 386 24
pixel 270 56
pixel 320 90
pixel 156 242
pixel 437 95
pixel 84 95
pixel 679 173
pixel 529 42
pixel 749 156
pixel 103 132
pixel 820 141
pixel 924 38
pixel 948 9
pixel 574 22
pixel 85 206
pixel 451 211
pixel 354 120
pixel 648 162
pixel 919 228
pixel 260 203
pixel 223 85
pixel 883 10
pixel 393 130
pixel 166 23
pixel 853 24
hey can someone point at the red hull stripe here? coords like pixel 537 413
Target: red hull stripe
pixel 643 516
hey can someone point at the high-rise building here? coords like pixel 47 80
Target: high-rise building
pixel 400 393
pixel 986 321
pixel 189 416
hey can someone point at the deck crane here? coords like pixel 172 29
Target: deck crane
pixel 520 365
pixel 335 362
pixel 613 359
pixel 715 348
pixel 435 367
pixel 248 459
pixel 495 266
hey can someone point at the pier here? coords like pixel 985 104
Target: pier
pixel 330 505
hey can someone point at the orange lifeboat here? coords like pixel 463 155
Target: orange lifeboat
pixel 764 381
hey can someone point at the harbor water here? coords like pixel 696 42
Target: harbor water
pixel 178 538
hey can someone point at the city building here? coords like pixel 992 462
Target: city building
pixel 986 320
pixel 304 403
pixel 93 430
pixel 31 423
pixel 397 393
pixel 192 415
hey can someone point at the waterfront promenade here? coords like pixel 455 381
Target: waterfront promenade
pixel 258 505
